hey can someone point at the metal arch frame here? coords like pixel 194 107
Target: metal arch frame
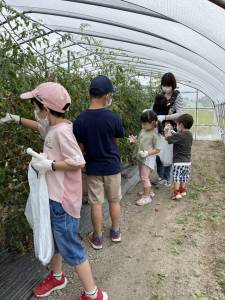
pixel 139 10
pixel 165 68
pixel 220 3
pixel 53 12
pixel 192 52
pixel 99 35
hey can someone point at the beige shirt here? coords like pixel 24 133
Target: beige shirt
pixel 147 139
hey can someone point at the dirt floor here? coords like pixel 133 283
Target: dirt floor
pixel 170 250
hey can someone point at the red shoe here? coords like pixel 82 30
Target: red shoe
pixel 100 296
pixel 183 191
pixel 48 285
pixel 176 195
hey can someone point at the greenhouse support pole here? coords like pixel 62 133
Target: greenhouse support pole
pixel 45 64
pixel 68 61
pixel 196 115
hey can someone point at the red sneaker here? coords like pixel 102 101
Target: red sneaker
pixel 176 195
pixel 183 191
pixel 100 296
pixel 48 285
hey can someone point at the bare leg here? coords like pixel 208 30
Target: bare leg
pixel 147 191
pixel 56 263
pixel 183 185
pixel 114 210
pixel 84 273
pixel 176 186
pixel 96 218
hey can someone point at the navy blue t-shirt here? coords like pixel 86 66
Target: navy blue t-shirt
pixel 97 130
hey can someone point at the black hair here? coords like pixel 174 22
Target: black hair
pixel 168 79
pixel 149 116
pixel 53 112
pixel 96 93
pixel 160 106
pixel 186 120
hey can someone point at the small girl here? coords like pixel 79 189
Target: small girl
pixel 148 146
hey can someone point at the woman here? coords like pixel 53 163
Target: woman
pixel 173 96
pixel 174 108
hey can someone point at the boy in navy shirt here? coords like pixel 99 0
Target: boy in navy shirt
pixel 97 130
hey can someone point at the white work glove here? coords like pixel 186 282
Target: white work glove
pixel 143 154
pixel 161 118
pixel 9 117
pixel 42 165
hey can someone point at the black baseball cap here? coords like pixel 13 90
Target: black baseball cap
pixel 100 86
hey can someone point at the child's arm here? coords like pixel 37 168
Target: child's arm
pixel 22 121
pixel 29 123
pixel 63 166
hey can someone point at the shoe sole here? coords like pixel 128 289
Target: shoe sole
pixel 59 287
pixel 94 246
pixel 116 240
pixel 143 203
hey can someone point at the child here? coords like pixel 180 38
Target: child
pixel 63 176
pixel 148 146
pixel 182 142
pixel 97 130
pixel 164 159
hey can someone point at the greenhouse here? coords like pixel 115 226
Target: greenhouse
pixel 134 44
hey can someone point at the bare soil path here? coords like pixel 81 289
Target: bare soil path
pixel 170 250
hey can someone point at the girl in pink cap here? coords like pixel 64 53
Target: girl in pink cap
pixel 63 175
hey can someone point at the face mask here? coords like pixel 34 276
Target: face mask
pixel 44 122
pixel 167 89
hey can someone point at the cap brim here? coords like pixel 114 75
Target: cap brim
pixel 27 95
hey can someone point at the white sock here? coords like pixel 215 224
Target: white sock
pixel 92 294
pixel 58 276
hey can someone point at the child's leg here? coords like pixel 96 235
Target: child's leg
pixel 114 210
pixel 56 263
pixel 96 199
pixel 84 273
pixel 96 218
pixel 145 172
pixel 112 185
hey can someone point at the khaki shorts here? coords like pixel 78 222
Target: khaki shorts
pixel 99 186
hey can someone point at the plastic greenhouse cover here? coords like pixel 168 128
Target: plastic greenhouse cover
pixel 184 36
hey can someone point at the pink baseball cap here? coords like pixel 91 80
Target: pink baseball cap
pixel 51 94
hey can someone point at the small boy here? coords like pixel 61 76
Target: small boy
pixel 97 130
pixel 182 142
pixel 63 175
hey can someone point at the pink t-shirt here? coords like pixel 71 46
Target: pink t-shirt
pixel 64 186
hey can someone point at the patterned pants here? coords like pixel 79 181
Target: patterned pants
pixel 181 173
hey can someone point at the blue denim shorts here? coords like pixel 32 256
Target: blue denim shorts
pixel 65 233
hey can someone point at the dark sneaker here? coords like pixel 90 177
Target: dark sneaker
pixel 100 296
pixel 95 241
pixel 115 235
pixel 48 285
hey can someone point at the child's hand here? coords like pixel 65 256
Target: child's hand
pixel 143 154
pixel 42 165
pixel 132 138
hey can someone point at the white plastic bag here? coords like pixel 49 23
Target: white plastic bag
pixel 166 152
pixel 37 212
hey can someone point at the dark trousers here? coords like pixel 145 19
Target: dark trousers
pixel 163 171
